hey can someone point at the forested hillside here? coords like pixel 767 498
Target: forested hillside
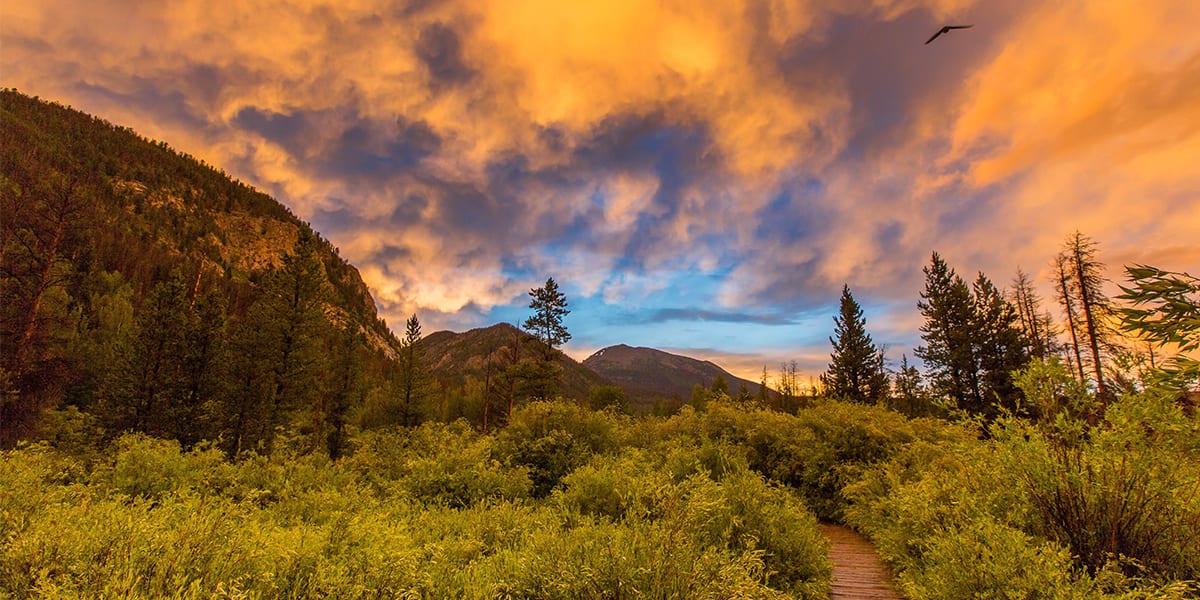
pixel 154 293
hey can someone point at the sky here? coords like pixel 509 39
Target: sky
pixel 701 177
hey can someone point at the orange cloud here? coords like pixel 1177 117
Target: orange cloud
pixel 1043 119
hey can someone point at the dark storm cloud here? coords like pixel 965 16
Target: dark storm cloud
pixel 439 48
pixel 166 104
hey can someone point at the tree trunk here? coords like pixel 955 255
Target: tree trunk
pixel 1066 300
pixel 1089 319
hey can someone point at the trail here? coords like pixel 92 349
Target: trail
pixel 858 574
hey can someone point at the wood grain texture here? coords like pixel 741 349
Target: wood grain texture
pixel 858 574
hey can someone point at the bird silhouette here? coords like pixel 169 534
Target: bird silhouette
pixel 946 29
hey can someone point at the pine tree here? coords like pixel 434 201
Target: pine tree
pixel 855 371
pixel 908 392
pixel 345 389
pixel 999 348
pixel 550 306
pixel 949 352
pixel 278 359
pixel 413 381
pixel 153 379
pixel 719 386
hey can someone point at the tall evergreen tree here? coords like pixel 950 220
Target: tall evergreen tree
pixel 294 308
pixel 549 306
pixel 153 378
pixel 278 350
pixel 908 391
pixel 949 352
pixel 999 348
pixel 413 381
pixel 345 389
pixel 855 371
pixel 719 386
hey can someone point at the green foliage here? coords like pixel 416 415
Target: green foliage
pixel 1165 310
pixel 608 397
pixel 445 464
pixel 551 439
pixel 972 342
pixel 1052 509
pixel 432 511
pixel 549 306
pixel 855 370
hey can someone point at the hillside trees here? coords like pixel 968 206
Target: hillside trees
pixel 856 367
pixel 41 218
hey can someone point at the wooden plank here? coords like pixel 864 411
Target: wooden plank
pixel 858 574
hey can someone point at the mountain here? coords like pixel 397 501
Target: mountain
pixel 453 357
pixel 151 290
pixel 144 209
pixel 648 374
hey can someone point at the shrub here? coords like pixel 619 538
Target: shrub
pixel 551 439
pixel 436 463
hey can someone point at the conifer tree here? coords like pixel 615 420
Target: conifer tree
pixel 999 348
pixel 413 380
pixel 153 375
pixel 949 352
pixel 855 371
pixel 345 390
pixel 277 349
pixel 719 386
pixel 550 306
pixel 908 392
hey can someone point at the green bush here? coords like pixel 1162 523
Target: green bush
pixel 1056 508
pixel 436 463
pixel 551 439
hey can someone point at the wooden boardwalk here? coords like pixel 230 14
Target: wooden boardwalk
pixel 858 574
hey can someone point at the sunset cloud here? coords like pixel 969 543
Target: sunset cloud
pixel 725 165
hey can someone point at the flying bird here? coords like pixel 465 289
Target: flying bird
pixel 946 29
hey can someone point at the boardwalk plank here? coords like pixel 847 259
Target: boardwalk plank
pixel 858 574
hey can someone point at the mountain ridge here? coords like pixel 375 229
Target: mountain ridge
pixel 649 374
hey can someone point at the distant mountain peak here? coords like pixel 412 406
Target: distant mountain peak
pixel 648 373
